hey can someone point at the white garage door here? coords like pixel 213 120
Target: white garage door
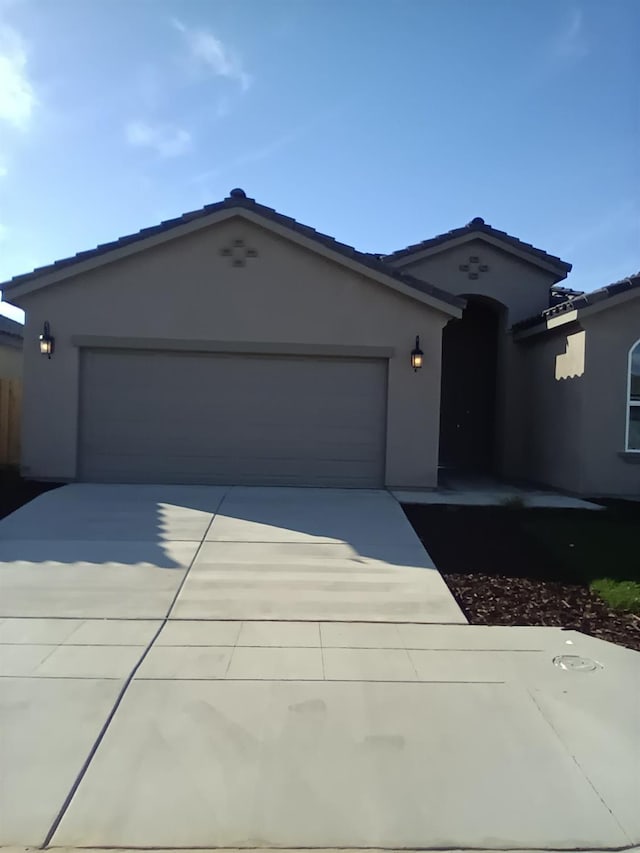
pixel 212 418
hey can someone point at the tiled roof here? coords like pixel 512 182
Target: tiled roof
pixel 10 327
pixel 479 226
pixel 238 200
pixel 582 300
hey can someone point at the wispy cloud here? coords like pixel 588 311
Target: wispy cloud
pixel 3 170
pixel 17 95
pixel 273 146
pixel 207 52
pixel 570 42
pixel 165 139
pixel 254 155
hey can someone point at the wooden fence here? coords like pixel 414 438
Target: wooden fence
pixel 10 416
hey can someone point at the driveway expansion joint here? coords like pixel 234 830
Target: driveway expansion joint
pixel 582 770
pixel 120 697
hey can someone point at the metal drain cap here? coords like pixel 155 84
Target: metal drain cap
pixel 575 662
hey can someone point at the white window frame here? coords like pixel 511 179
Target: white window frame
pixel 630 402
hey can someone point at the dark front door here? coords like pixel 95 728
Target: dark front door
pixel 468 393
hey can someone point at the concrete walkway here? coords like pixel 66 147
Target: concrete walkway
pixel 459 490
pixel 494 495
pixel 185 718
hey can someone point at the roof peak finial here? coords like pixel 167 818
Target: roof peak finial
pixel 477 220
pixel 237 192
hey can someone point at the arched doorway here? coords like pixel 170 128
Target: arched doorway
pixel 468 399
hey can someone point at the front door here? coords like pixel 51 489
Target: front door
pixel 468 391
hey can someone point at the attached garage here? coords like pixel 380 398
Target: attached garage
pixel 231 345
pixel 181 417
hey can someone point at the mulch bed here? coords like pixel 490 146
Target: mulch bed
pixel 499 576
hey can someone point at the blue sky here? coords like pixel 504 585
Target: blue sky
pixel 380 122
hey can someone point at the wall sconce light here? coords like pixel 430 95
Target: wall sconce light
pixel 417 356
pixel 46 341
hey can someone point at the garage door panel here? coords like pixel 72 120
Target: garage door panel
pixel 221 471
pixel 233 451
pixel 177 417
pixel 341 444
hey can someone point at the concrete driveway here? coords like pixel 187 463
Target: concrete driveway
pixel 208 552
pixel 211 667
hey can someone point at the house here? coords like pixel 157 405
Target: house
pixel 10 348
pixel 234 344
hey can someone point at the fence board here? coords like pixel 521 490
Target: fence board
pixel 10 416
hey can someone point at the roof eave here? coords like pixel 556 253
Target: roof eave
pixel 573 315
pixel 24 286
pixel 559 268
pixel 30 282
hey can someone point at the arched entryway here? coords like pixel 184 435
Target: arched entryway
pixel 468 400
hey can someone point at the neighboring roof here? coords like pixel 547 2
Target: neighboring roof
pixel 479 227
pixel 596 300
pixel 10 328
pixel 238 200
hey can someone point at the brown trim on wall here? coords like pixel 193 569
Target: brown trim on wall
pixel 249 347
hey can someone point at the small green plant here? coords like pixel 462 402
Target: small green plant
pixel 621 595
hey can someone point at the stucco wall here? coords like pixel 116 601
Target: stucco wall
pixel 553 430
pixel 186 289
pixel 610 335
pixel 577 381
pixel 521 287
pixel 514 402
pixel 10 362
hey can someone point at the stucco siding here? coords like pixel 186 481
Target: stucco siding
pixel 186 289
pixel 610 335
pixel 553 449
pixel 577 404
pixel 513 414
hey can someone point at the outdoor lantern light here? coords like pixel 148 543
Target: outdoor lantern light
pixel 46 341
pixel 417 356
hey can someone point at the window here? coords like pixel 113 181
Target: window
pixel 633 408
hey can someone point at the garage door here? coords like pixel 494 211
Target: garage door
pixel 220 418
